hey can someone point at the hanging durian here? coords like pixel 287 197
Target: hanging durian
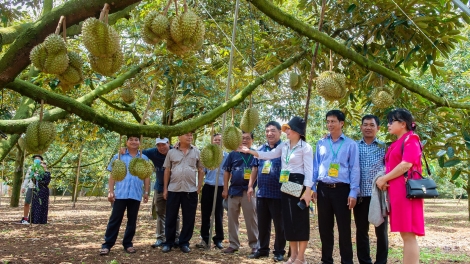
pixel 127 95
pixel 382 97
pixel 39 135
pixel 331 85
pixel 232 137
pixel 118 170
pixel 51 55
pixel 100 39
pixel 250 120
pixel 141 168
pixel 73 74
pixel 212 156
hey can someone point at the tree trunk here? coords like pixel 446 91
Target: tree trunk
pixel 468 196
pixel 17 178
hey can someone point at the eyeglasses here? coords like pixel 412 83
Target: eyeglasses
pixel 393 120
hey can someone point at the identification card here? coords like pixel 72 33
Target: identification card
pixel 333 170
pixel 284 176
pixel 266 167
pixel 246 173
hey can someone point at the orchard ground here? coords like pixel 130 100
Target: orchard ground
pixel 75 236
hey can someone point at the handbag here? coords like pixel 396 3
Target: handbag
pixel 423 188
pixel 292 188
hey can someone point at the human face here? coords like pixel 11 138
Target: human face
pixel 369 128
pixel 292 135
pixel 217 139
pixel 396 127
pixel 272 135
pixel 247 140
pixel 186 139
pixel 333 125
pixel 133 143
pixel 163 148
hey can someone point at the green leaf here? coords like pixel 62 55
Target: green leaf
pixel 441 161
pixel 450 152
pixel 465 134
pixel 351 8
pixel 440 153
pixel 456 175
pixel 451 162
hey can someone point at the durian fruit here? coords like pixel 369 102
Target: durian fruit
pixel 141 168
pixel 118 170
pixel 107 66
pixel 331 85
pixel 100 39
pixel 51 55
pixel 232 137
pixel 187 30
pixel 73 74
pixel 127 95
pixel 250 120
pixel 295 81
pixel 382 97
pixel 175 48
pixel 156 28
pixel 212 156
pixel 39 135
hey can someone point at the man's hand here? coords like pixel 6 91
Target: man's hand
pixel 243 149
pixel 111 197
pixel 314 197
pixel 198 190
pixel 351 202
pixel 122 151
pixel 146 198
pixel 165 193
pixel 23 190
pixel 249 193
pixel 225 194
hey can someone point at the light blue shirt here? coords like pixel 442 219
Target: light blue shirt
pixel 131 186
pixel 347 157
pixel 210 174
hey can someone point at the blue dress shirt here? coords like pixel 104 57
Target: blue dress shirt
pixel 371 161
pixel 131 187
pixel 347 157
pixel 211 174
pixel 236 165
pixel 268 184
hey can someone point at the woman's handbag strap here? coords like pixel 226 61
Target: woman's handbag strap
pixel 421 147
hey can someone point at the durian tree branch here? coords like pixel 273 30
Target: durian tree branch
pixel 126 109
pixel 269 9
pixel 19 126
pixel 75 11
pixel 87 113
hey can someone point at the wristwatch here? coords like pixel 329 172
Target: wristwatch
pixel 146 192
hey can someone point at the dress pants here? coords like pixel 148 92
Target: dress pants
pixel 117 213
pixel 332 202
pixel 207 198
pixel 361 215
pixel 251 221
pixel 160 203
pixel 188 203
pixel 269 209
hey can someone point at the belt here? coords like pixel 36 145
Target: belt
pixel 333 185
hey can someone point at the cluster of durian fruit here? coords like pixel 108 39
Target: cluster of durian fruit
pixel 39 135
pixel 183 33
pixel 382 97
pixel 331 85
pixel 212 154
pixel 137 166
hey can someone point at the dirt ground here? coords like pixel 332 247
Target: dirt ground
pixel 75 236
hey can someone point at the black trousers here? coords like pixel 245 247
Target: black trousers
pixel 332 202
pixel 361 213
pixel 112 230
pixel 207 198
pixel 188 203
pixel 268 210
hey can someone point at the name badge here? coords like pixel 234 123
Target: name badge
pixel 284 176
pixel 246 173
pixel 267 167
pixel 333 171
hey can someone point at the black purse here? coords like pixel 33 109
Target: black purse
pixel 423 188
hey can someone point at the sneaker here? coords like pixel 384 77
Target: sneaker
pixel 24 221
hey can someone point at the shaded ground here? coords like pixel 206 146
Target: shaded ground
pixel 75 236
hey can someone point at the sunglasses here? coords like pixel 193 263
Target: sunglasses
pixel 393 120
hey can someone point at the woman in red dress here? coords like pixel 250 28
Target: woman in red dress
pixel 406 215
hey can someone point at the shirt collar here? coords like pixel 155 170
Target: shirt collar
pixel 138 153
pixel 275 145
pixel 342 136
pixel 376 141
pixel 177 146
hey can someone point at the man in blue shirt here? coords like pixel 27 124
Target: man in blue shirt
pixel 238 171
pixel 125 194
pixel 371 161
pixel 268 197
pixel 207 199
pixel 336 171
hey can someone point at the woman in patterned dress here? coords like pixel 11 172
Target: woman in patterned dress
pixel 40 201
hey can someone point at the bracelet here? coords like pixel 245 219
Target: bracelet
pixel 146 193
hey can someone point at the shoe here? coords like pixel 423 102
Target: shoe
pixel 229 250
pixel 202 244
pixel 289 261
pixel 185 249
pixel 177 243
pixel 104 251
pixel 254 250
pixel 258 255
pixel 218 245
pixel 300 261
pixel 24 221
pixel 158 243
pixel 166 249
pixel 278 257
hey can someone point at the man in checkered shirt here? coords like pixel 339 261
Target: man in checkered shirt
pixel 371 161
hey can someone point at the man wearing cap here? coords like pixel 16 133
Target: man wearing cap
pixel 207 199
pixel 27 187
pixel 336 171
pixel 268 197
pixel 238 171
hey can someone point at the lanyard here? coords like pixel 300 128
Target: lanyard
pixel 335 154
pixel 288 155
pixel 246 161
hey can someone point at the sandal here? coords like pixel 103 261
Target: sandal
pixel 130 250
pixel 301 262
pixel 104 251
pixel 289 261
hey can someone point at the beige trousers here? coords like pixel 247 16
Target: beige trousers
pixel 251 220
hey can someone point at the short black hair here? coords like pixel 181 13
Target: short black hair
pixel 216 134
pixel 129 136
pixel 402 115
pixel 337 113
pixel 273 123
pixel 251 134
pixel 367 117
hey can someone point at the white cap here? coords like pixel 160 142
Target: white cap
pixel 161 140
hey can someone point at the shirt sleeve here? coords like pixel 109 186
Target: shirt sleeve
pixel 316 164
pixel 228 162
pixel 268 155
pixel 354 170
pixel 110 165
pixel 167 162
pixel 198 160
pixel 27 178
pixel 308 165
pixel 412 150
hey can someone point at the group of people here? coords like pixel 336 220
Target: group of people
pixel 339 175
